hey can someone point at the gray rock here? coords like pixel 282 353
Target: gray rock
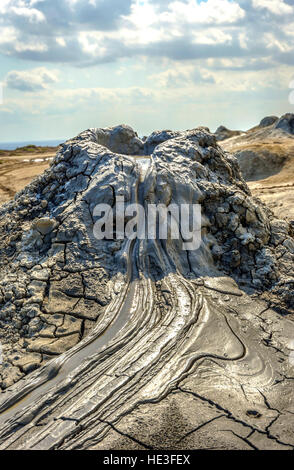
pixel 119 139
pixel 223 133
pixel 268 121
pixel 157 138
pixel 286 123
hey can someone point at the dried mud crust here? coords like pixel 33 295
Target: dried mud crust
pixel 98 334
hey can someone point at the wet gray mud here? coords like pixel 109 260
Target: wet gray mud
pixel 142 344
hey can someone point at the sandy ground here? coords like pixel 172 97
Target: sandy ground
pixel 276 190
pixel 280 198
pixel 18 171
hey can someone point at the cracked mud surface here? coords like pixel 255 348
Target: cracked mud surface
pixel 140 344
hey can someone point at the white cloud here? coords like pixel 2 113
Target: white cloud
pixel 209 12
pixel 7 34
pixel 239 64
pixel 182 76
pixel 274 43
pixel 176 86
pixel 146 25
pixel 277 7
pixel 22 8
pixel 243 40
pixel 61 41
pixel 92 43
pixel 33 15
pixel 289 29
pixel 85 33
pixel 30 46
pixel 211 36
pixel 31 80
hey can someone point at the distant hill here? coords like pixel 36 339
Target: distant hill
pixel 28 149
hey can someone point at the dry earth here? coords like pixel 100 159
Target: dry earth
pixel 266 157
pixel 19 167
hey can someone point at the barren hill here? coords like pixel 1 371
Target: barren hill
pixel 266 158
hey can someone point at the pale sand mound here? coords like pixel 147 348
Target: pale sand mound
pixel 266 158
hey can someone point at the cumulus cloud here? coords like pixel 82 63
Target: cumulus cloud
pixel 51 16
pixel 180 76
pixel 87 32
pixel 209 12
pixel 277 7
pixel 31 80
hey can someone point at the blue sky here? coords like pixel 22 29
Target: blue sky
pixel 66 65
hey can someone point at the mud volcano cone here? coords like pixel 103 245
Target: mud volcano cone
pixel 115 343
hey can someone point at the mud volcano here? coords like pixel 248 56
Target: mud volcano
pixel 140 344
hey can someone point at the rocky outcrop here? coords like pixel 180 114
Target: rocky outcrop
pixel 119 139
pixel 157 138
pixel 268 121
pixel 286 123
pixel 223 133
pixel 135 339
